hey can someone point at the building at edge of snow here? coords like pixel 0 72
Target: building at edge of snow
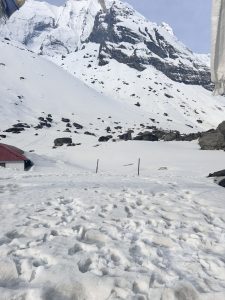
pixel 13 158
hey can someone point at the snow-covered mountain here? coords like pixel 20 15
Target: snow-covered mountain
pixel 90 72
pixel 121 33
pixel 117 52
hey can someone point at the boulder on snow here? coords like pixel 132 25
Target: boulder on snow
pixel 15 129
pixel 219 177
pixel 126 136
pixel 105 138
pixel 217 174
pixel 62 141
pixel 221 128
pixel 77 126
pixel 213 139
pixel 65 120
pixel 171 136
pixel 190 136
pixel 146 136
pixel 222 183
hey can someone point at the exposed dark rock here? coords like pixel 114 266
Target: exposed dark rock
pixel 221 128
pixel 171 136
pixel 89 133
pixel 146 136
pixel 3 136
pixel 109 33
pixel 39 126
pixel 49 119
pixel 126 136
pixel 168 96
pixel 213 139
pixel 21 125
pixel 217 174
pixel 77 126
pixel 15 130
pixel 62 141
pixel 222 183
pixel 65 120
pixel 190 137
pixel 105 138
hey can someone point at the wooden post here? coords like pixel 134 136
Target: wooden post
pixel 139 163
pixel 97 166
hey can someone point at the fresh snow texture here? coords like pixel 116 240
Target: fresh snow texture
pixel 68 233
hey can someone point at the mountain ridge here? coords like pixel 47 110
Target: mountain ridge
pixel 62 30
pixel 122 55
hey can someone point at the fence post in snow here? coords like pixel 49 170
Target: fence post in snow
pixel 139 163
pixel 97 166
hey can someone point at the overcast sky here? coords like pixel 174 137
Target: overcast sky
pixel 190 19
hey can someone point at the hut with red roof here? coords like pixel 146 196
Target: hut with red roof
pixel 14 158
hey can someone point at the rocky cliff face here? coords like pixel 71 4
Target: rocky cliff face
pixel 121 32
pixel 127 37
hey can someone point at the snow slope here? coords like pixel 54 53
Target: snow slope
pixel 31 85
pixel 49 89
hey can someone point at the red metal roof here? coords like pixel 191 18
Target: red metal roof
pixel 11 153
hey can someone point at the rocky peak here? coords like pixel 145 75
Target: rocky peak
pixel 122 33
pixel 126 36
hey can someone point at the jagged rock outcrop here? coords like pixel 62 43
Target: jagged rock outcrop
pixel 124 36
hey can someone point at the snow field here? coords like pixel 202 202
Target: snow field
pixel 67 233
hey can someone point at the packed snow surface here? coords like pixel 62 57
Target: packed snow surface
pixel 68 233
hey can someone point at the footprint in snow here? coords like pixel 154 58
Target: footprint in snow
pixel 84 265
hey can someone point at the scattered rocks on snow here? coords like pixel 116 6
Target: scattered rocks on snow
pixel 62 141
pixel 15 130
pixel 21 125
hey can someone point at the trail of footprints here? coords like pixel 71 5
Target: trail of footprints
pixel 122 233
